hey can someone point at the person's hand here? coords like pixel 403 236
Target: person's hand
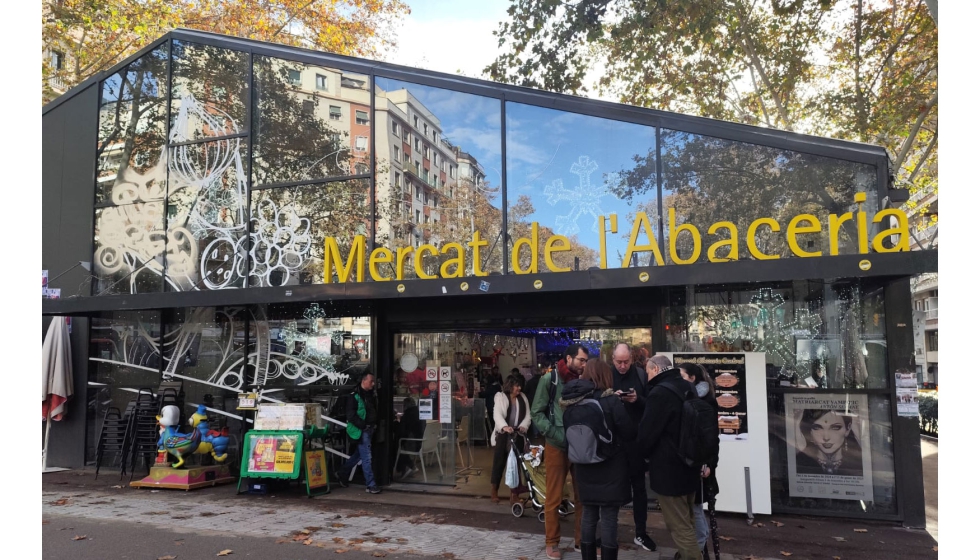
pixel 522 429
pixel 629 397
pixel 705 471
pixel 508 429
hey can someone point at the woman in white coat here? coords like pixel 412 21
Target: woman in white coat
pixel 511 418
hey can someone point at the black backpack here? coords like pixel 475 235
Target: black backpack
pixel 587 433
pixel 698 440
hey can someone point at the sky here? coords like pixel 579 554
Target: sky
pixel 449 35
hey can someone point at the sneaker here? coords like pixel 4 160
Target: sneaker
pixel 372 490
pixel 342 480
pixel 644 541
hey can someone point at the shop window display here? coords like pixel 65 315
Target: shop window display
pixel 821 338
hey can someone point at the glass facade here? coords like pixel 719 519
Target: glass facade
pixel 266 158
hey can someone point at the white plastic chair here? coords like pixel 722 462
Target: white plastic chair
pixel 429 445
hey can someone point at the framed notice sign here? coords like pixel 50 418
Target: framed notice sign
pixel 272 454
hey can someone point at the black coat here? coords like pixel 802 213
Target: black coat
pixel 660 435
pixel 632 379
pixel 531 387
pixel 606 483
pixel 370 409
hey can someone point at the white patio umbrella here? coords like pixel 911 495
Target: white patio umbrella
pixel 56 379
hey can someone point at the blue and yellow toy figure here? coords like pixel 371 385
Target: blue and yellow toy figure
pixel 201 440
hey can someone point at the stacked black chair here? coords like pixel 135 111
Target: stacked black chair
pixel 112 438
pixel 143 432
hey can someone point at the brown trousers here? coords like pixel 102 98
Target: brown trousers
pixel 680 523
pixel 557 467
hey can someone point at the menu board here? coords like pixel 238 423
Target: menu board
pixel 728 373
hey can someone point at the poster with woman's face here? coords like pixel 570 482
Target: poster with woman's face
pixel 828 446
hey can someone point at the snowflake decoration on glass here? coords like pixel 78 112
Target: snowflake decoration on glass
pixel 584 199
pixel 770 329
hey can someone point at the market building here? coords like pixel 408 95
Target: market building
pixel 257 216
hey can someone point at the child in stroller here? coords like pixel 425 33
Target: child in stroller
pixel 530 466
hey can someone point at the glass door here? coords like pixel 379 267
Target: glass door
pixel 430 393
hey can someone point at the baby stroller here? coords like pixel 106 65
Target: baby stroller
pixel 530 466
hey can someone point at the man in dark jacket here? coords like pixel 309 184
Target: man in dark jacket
pixel 630 385
pixel 670 478
pixel 362 420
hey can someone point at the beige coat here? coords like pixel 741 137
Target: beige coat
pixel 501 408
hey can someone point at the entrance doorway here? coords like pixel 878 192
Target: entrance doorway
pixel 444 386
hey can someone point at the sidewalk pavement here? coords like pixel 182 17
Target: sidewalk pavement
pixel 436 525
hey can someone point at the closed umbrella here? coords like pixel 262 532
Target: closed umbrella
pixel 56 378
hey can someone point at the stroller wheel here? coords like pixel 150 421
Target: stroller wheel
pixel 566 508
pixel 517 510
pixel 541 517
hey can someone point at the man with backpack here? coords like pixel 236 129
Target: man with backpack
pixel 672 477
pixel 546 414
pixel 630 384
pixel 362 420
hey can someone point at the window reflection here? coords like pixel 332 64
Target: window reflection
pixel 210 92
pixel 708 180
pixel 816 334
pixel 563 171
pixel 438 172
pixel 289 226
pixel 307 121
pixel 132 132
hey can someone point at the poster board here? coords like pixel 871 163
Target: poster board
pixel 749 447
pixel 315 463
pixel 828 446
pixel 272 454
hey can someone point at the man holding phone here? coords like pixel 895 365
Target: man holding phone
pixel 629 383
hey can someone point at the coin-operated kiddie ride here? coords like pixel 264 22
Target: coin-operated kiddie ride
pixel 200 442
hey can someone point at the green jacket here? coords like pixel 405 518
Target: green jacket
pixel 554 431
pixel 353 431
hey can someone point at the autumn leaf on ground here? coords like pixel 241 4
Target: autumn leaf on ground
pixel 368 534
pixel 339 540
pixel 402 540
pixel 448 555
pixel 61 502
pixel 836 557
pixel 777 523
pixel 758 524
pixel 784 553
pixel 381 540
pixel 839 539
pixel 724 538
pixel 313 529
pixel 79 537
pixel 379 554
pixel 337 525
pixel 282 541
pixel 225 552
pixel 340 551
pixel 860 530
pixel 305 531
pixel 167 557
pixel 308 542
pixel 355 541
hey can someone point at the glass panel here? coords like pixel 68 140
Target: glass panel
pixel 867 420
pixel 129 249
pixel 206 224
pixel 310 351
pixel 564 171
pixel 123 358
pixel 709 180
pixel 441 181
pixel 293 144
pixel 816 334
pixel 210 92
pixel 289 226
pixel 132 132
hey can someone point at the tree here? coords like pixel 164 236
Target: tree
pixel 92 36
pixel 863 70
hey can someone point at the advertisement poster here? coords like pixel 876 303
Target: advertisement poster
pixel 316 468
pixel 828 446
pixel 425 409
pixel 907 394
pixel 445 403
pixel 728 372
pixel 272 453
